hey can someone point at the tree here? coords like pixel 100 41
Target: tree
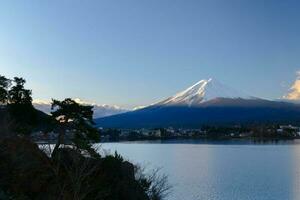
pixel 18 94
pixel 76 119
pixel 4 85
pixel 20 107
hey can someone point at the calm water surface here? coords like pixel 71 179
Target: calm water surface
pixel 232 170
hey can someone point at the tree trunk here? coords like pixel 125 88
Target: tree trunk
pixel 60 140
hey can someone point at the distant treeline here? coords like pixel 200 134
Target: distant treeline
pixel 268 131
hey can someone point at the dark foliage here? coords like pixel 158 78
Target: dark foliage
pixel 4 85
pixel 76 118
pixel 18 116
pixel 27 173
pixel 18 94
pixel 73 172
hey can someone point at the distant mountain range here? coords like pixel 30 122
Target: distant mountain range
pixel 99 110
pixel 206 102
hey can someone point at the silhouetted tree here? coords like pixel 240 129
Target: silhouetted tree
pixel 20 107
pixel 18 94
pixel 4 86
pixel 76 119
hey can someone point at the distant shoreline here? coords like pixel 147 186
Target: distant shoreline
pixel 163 140
pixel 203 139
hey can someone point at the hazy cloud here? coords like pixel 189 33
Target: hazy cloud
pixel 294 92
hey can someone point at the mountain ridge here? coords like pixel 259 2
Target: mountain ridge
pixel 206 102
pixel 103 110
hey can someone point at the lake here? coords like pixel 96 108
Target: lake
pixel 223 170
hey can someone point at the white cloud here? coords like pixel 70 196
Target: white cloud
pixel 294 92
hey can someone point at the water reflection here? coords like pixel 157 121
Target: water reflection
pixel 296 171
pixel 226 141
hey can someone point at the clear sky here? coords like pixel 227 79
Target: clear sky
pixel 133 53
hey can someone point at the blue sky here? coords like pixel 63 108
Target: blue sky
pixel 133 53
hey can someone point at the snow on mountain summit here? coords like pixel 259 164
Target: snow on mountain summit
pixel 203 91
pixel 103 110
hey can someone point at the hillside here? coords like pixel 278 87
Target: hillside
pixel 38 120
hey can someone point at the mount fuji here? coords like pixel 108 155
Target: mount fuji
pixel 208 102
pixel 203 91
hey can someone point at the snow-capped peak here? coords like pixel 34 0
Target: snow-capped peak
pixel 203 91
pixel 100 110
